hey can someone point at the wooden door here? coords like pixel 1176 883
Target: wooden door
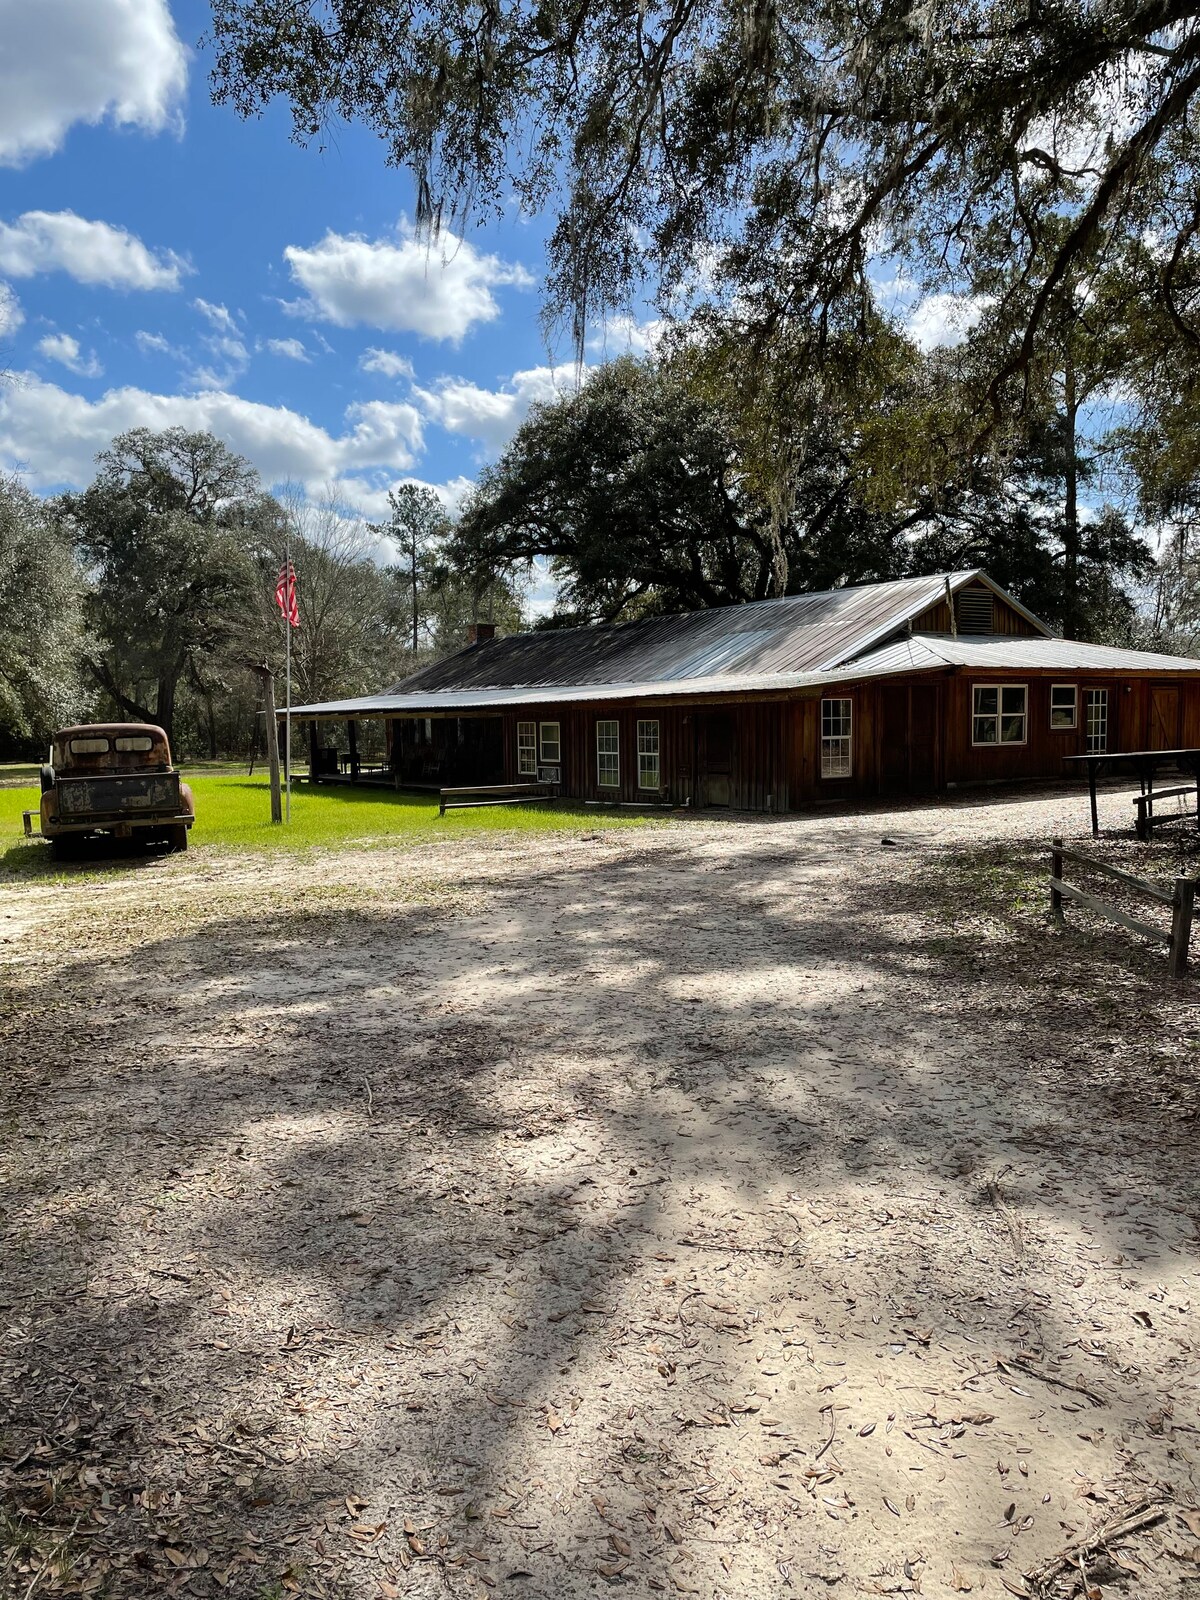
pixel 1164 716
pixel 922 738
pixel 714 757
pixel 893 737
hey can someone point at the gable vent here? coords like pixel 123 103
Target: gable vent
pixel 973 610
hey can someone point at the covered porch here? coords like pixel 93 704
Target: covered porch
pixel 403 751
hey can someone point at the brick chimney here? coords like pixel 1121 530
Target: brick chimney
pixel 480 632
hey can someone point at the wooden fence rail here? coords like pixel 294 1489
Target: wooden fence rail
pixel 1181 901
pixel 1146 818
pixel 491 794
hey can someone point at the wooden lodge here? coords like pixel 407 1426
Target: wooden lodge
pixel 888 688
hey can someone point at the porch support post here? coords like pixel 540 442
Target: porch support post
pixel 352 731
pixel 312 751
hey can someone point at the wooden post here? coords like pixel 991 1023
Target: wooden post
pixel 1145 817
pixel 313 759
pixel 1181 925
pixel 1056 872
pixel 352 732
pixel 1092 766
pixel 268 683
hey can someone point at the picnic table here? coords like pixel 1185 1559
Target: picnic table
pixel 1145 763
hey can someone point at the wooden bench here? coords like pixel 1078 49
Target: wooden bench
pixel 1145 809
pixel 491 794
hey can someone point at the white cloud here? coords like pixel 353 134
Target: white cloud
pixel 221 317
pixel 386 362
pixel 11 315
pixel 439 290
pixel 945 319
pixel 90 252
pixel 492 416
pixel 54 436
pixel 625 333
pixel 61 347
pixel 290 349
pixel 69 61
pixel 154 344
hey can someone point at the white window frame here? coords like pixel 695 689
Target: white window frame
pixel 649 754
pixel 837 749
pixel 998 743
pixel 527 750
pixel 1093 697
pixel 608 776
pixel 1064 727
pixel 544 759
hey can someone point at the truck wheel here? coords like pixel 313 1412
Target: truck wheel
pixel 177 836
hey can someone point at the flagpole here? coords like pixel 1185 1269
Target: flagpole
pixel 290 590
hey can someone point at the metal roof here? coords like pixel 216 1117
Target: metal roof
pixel 801 633
pixel 401 702
pixel 1006 652
pixel 772 646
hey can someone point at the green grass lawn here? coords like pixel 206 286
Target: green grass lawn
pixel 234 812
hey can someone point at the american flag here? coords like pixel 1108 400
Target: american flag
pixel 285 595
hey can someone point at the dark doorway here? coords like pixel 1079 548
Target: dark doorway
pixel 1164 717
pixel 908 738
pixel 714 758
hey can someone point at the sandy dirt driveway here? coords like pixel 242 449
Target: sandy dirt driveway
pixel 724 1208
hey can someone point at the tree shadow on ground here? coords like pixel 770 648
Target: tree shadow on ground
pixel 335 1246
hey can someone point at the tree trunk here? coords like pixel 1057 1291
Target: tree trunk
pixel 413 580
pixel 1070 536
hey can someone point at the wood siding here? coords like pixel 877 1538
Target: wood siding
pixel 1004 618
pixel 910 735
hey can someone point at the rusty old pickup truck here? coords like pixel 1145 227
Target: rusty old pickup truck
pixel 112 780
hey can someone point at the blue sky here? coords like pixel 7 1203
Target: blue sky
pixel 163 262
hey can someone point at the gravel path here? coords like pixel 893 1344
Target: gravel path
pixel 728 1208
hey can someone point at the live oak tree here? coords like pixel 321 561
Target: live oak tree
pixel 167 533
pixel 780 149
pixel 640 492
pixel 41 624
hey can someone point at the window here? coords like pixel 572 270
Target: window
pixel 608 755
pixel 551 744
pixel 527 749
pixel 835 738
pixel 89 747
pixel 998 713
pixel 130 742
pixel 1063 697
pixel 649 768
pixel 1095 703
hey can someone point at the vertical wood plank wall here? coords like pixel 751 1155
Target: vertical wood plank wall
pixel 909 735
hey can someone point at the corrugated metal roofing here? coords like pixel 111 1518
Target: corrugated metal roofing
pixel 401 701
pixel 802 633
pixel 1005 652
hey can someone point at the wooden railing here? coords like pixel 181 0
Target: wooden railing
pixel 491 794
pixel 1180 900
pixel 1146 819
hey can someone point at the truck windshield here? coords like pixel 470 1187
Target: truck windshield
pixel 89 747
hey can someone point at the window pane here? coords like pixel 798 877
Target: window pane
pixel 985 731
pixel 551 747
pixel 986 702
pixel 1012 730
pixel 608 764
pixel 836 720
pixel 89 747
pixel 527 749
pixel 1012 699
pixel 648 763
pixel 134 741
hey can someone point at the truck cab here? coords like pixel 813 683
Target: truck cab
pixel 115 780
